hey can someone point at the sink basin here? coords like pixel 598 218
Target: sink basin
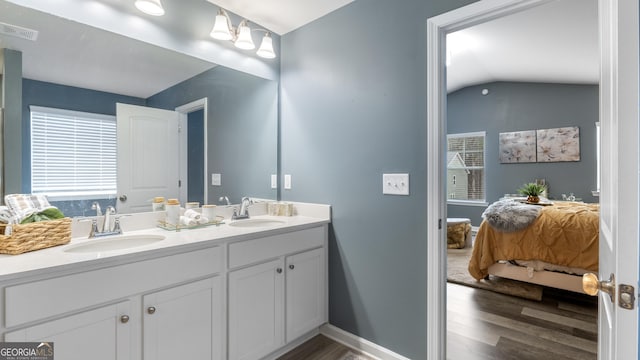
pixel 114 243
pixel 253 223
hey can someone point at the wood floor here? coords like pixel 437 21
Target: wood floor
pixel 322 348
pixel 485 325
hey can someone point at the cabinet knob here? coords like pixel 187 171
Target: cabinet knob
pixel 291 266
pixel 151 310
pixel 124 319
pixel 279 270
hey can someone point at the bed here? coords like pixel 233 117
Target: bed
pixel 555 249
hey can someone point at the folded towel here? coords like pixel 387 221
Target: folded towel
pixel 192 214
pixel 5 215
pixel 24 205
pixel 188 221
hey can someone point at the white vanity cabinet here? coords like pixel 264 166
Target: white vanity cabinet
pixel 184 322
pixel 244 297
pixel 278 293
pixel 164 308
pixel 100 334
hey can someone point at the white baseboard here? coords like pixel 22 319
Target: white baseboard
pixel 365 346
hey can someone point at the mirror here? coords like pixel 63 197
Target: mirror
pixel 78 67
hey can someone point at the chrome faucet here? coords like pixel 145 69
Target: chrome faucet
pixel 244 209
pixel 106 224
pixel 107 227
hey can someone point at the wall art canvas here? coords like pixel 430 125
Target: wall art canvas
pixel 518 147
pixel 560 144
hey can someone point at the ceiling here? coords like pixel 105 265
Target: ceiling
pixel 556 42
pixel 281 16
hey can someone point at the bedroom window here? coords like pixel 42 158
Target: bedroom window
pixel 73 154
pixel 465 168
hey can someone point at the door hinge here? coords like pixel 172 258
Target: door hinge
pixel 179 129
pixel 439 224
pixel 626 296
pixel 179 183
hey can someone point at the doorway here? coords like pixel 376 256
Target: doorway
pixel 436 127
pixel 193 151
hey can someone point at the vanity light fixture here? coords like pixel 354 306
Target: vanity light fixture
pixel 151 7
pixel 241 36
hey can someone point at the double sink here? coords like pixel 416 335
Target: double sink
pixel 123 242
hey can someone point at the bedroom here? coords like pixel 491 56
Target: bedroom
pixel 489 105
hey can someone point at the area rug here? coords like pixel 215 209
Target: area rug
pixel 457 273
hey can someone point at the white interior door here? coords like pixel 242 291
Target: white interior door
pixel 147 156
pixel 618 327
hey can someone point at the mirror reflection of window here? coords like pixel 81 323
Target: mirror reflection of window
pixel 73 154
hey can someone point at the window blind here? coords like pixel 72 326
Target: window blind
pixel 73 154
pixel 465 153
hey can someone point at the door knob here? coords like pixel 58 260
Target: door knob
pixel 123 198
pixel 591 285
pixel 124 319
pixel 151 310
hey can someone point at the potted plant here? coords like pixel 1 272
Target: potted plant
pixel 532 191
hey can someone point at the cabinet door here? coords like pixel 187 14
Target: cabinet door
pixel 306 294
pixel 100 334
pixel 179 323
pixel 256 310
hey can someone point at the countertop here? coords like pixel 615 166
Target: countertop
pixel 57 259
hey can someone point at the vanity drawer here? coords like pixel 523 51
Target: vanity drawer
pixel 46 298
pixel 257 250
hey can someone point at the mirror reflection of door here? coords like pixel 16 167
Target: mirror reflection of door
pixel 147 156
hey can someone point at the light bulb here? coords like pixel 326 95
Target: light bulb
pixel 221 29
pixel 151 7
pixel 266 48
pixel 244 41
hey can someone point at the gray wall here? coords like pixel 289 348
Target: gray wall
pixel 242 129
pixel 527 106
pixel 12 102
pixel 353 90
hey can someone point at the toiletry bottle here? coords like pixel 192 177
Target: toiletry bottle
pixel 158 204
pixel 173 212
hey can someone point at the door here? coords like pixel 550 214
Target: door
pixel 100 334
pixel 618 327
pixel 179 321
pixel 147 156
pixel 305 288
pixel 256 310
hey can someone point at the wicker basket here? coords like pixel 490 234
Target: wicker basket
pixel 36 236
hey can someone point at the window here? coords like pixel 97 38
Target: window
pixel 73 154
pixel 465 168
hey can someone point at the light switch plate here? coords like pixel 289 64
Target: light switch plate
pixel 216 179
pixel 395 184
pixel 287 181
pixel 274 181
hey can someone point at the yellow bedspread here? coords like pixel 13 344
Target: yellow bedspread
pixel 565 233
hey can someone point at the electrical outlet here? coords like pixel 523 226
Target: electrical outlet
pixel 216 179
pixel 274 181
pixel 395 184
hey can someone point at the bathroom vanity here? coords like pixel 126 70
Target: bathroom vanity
pixel 233 291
